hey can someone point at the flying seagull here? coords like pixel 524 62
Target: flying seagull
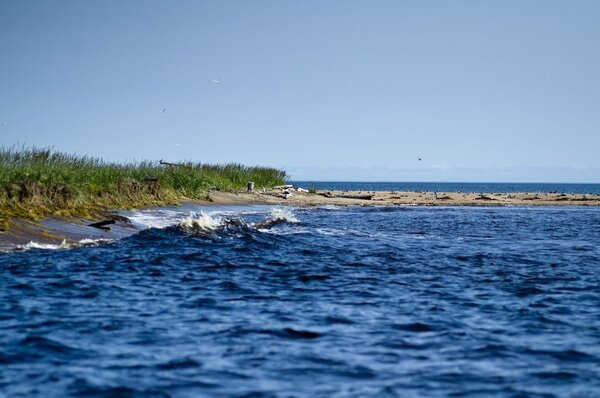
pixel 178 145
pixel 216 81
pixel 163 110
pixel 419 159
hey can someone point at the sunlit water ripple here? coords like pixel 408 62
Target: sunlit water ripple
pixel 322 302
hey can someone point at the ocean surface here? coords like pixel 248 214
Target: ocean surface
pixel 259 301
pixel 452 187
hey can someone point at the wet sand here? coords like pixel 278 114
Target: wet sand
pixel 54 230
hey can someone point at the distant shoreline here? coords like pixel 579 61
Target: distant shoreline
pixel 293 197
pixel 53 230
pixel 453 186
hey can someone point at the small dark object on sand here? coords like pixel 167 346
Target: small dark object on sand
pixel 361 197
pixel 327 194
pixel 102 224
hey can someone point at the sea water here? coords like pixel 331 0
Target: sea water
pixel 463 187
pixel 309 302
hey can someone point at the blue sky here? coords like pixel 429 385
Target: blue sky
pixel 347 90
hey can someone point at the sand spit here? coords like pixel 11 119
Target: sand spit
pixel 290 196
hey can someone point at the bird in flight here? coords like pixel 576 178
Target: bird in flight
pixel 419 159
pixel 216 81
pixel 163 110
pixel 178 145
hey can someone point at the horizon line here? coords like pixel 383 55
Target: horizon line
pixel 443 182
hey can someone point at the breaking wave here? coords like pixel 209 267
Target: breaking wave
pixel 209 223
pixel 202 223
pixel 205 222
pixel 283 214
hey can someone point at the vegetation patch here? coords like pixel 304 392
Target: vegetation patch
pixel 35 183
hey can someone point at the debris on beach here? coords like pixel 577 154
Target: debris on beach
pixel 102 224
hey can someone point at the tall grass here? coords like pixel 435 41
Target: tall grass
pixel 39 182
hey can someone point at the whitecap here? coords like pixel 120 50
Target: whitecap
pixel 45 246
pixel 63 245
pixel 93 242
pixel 283 214
pixel 204 222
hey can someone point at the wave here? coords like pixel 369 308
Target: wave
pixel 206 223
pixel 278 216
pixel 63 245
pixel 209 223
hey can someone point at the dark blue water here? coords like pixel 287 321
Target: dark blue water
pixel 452 187
pixel 435 302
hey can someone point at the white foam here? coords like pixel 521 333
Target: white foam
pixel 333 207
pixel 283 214
pixel 331 232
pixel 46 246
pixel 62 245
pixel 155 218
pixel 93 242
pixel 206 222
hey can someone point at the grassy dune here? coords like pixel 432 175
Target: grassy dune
pixel 39 182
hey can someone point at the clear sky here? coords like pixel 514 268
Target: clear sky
pixel 346 90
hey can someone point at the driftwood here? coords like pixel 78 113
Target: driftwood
pixel 102 224
pixel 582 199
pixel 283 187
pixel 171 164
pixel 357 197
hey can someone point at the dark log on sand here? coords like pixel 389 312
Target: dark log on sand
pixel 484 197
pixel 102 224
pixel 359 197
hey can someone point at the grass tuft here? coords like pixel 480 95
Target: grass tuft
pixel 38 182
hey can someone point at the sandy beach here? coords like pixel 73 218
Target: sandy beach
pixel 294 197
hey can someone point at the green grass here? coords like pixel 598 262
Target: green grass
pixel 39 182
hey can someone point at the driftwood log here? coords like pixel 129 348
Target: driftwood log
pixel 102 224
pixel 171 164
pixel 357 197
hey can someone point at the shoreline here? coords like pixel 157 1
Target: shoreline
pixel 293 197
pixel 55 230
